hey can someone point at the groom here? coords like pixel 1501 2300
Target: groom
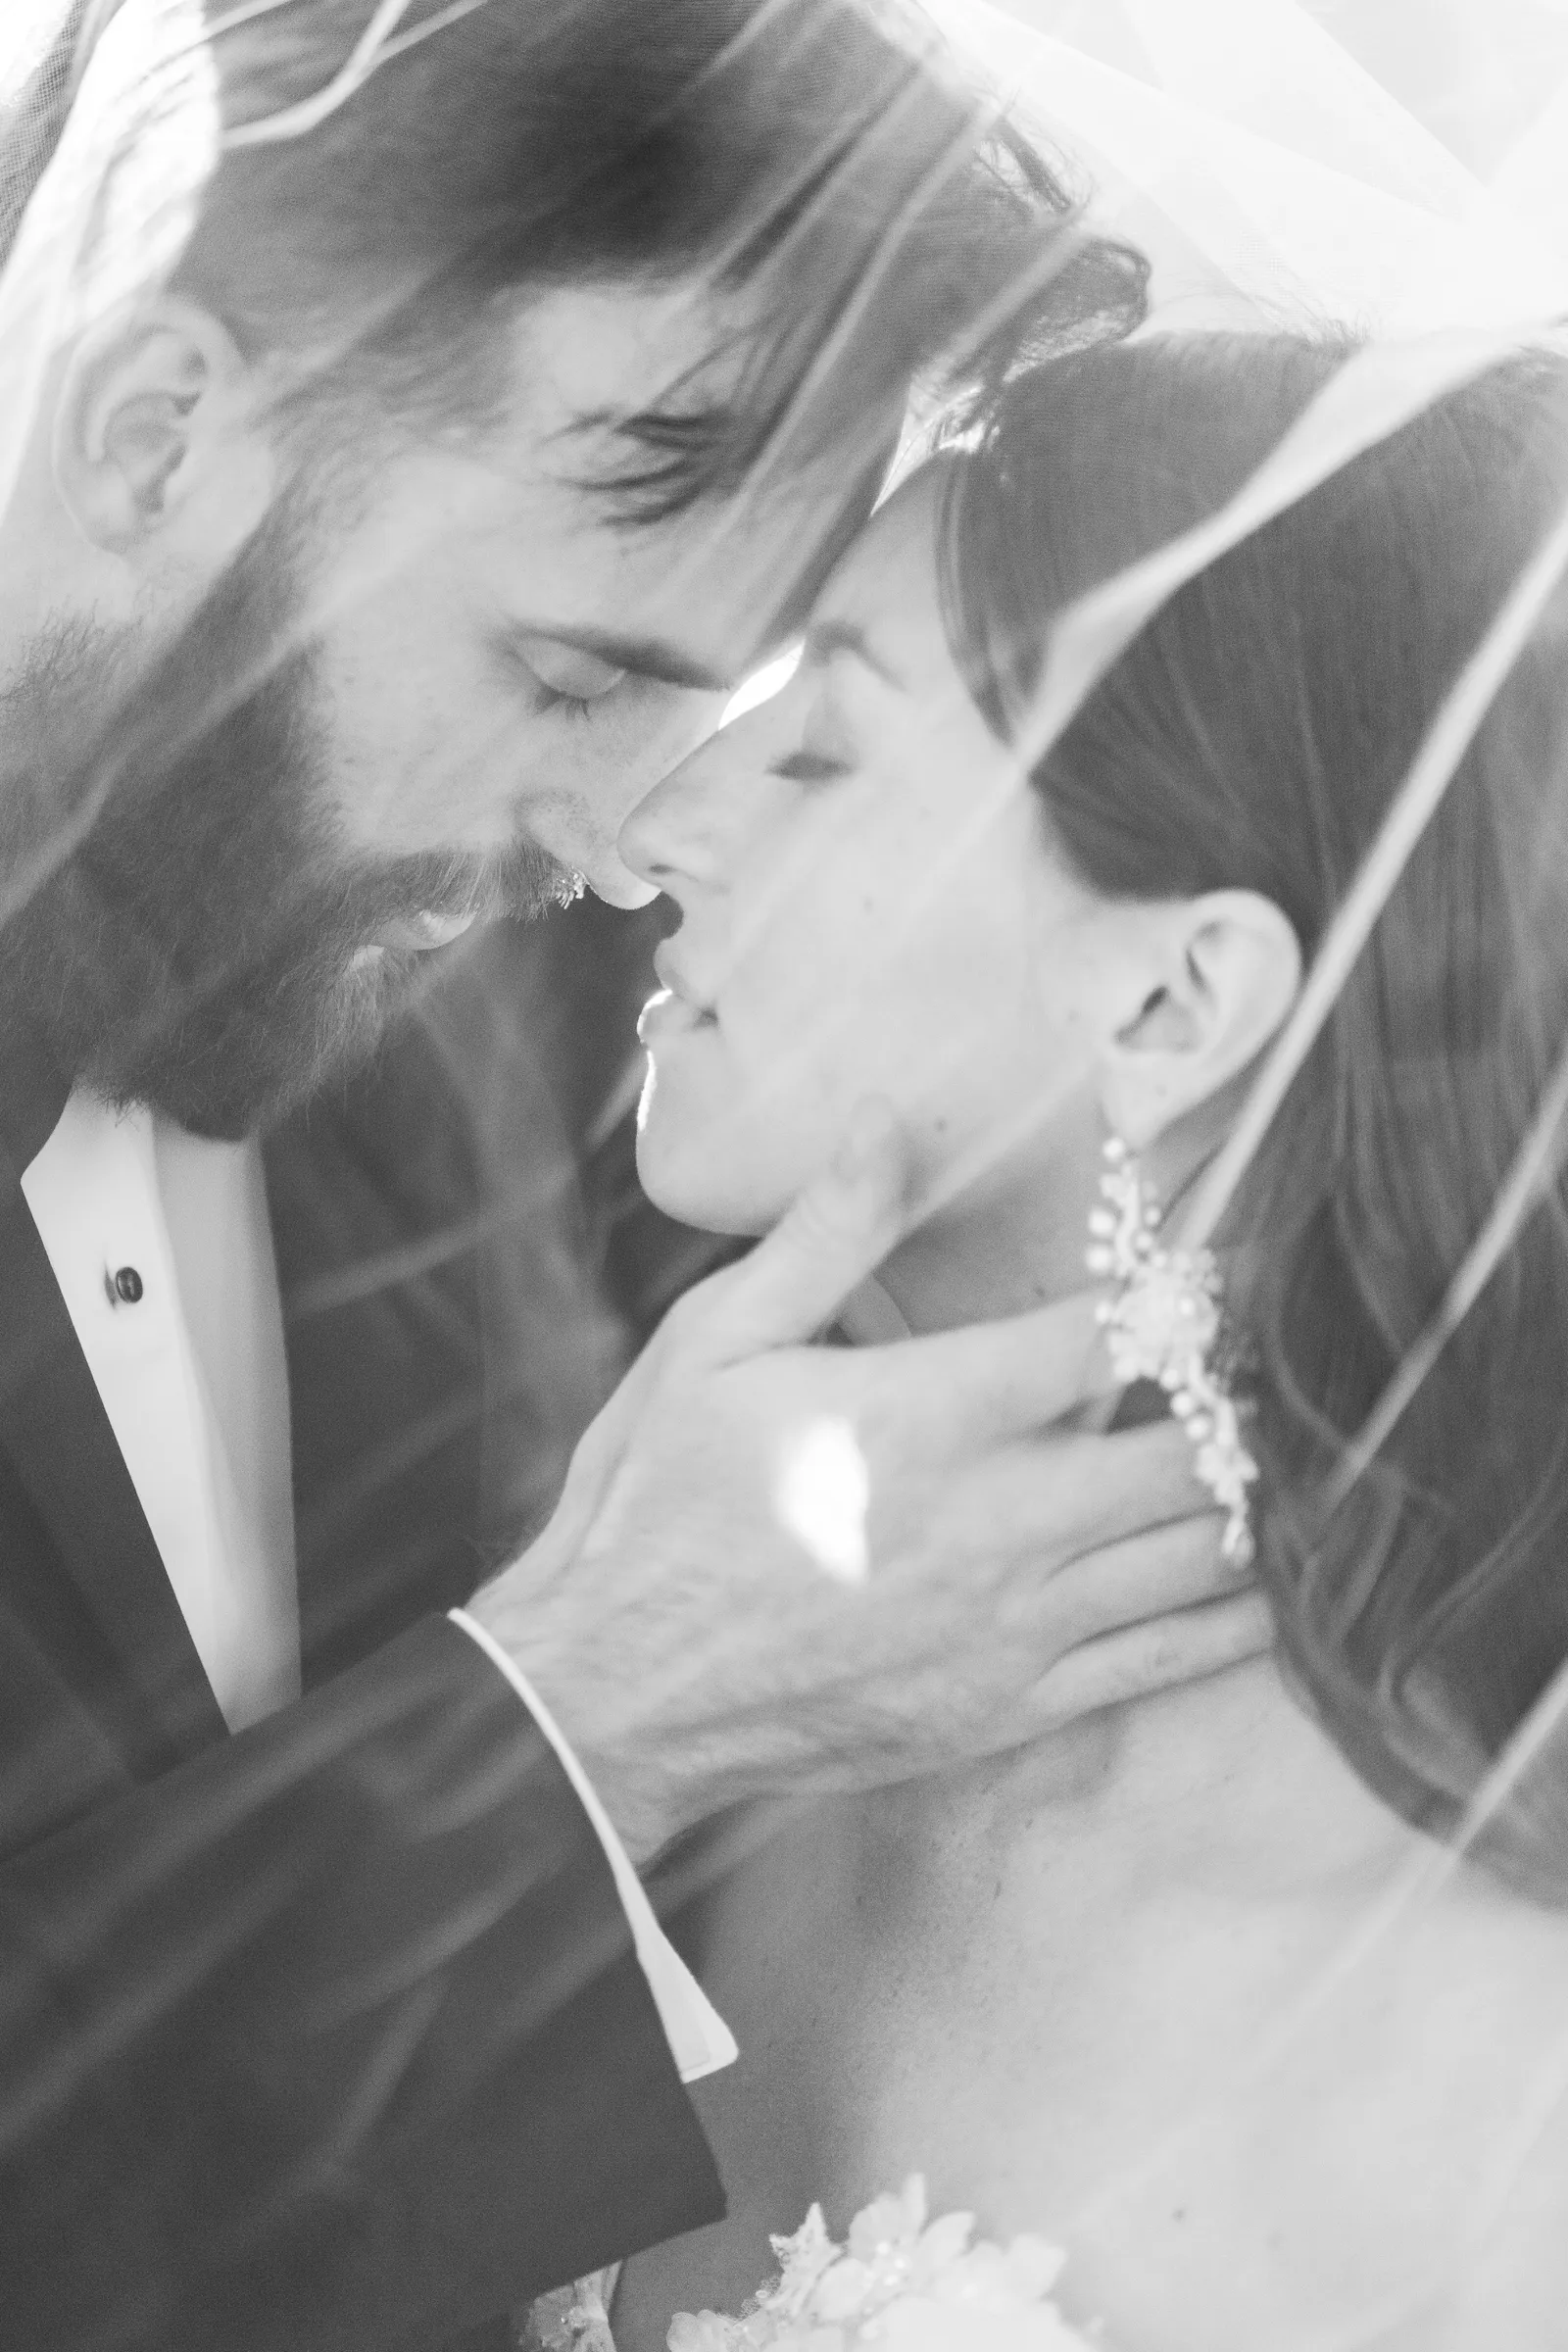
pixel 365 564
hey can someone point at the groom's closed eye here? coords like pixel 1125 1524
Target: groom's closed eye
pixel 563 678
pixel 655 658
pixel 569 670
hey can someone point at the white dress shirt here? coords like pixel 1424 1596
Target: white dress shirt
pixel 161 1246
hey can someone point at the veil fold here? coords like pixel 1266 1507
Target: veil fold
pixel 1271 178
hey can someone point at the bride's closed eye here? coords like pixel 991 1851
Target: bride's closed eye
pixel 807 768
pixel 822 749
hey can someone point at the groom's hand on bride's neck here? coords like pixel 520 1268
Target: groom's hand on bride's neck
pixel 779 1566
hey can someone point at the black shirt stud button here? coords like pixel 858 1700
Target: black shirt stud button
pixel 127 1284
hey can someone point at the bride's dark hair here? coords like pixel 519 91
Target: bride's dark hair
pixel 1254 736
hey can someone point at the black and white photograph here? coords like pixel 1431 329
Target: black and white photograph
pixel 783 1175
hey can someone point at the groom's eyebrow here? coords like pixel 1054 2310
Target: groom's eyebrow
pixel 648 657
pixel 825 638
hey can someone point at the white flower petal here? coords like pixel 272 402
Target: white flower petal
pixel 943 2243
pixel 1032 2266
pixel 842 2291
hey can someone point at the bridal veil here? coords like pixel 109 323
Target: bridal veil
pixel 1272 177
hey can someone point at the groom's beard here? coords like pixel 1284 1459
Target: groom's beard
pixel 207 946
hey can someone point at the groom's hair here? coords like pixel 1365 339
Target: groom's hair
pixel 851 208
pixel 1254 736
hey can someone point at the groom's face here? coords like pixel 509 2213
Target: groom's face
pixel 429 687
pixel 501 651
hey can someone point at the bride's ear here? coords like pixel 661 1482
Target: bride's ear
pixel 1221 973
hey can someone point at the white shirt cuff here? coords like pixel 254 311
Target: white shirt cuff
pixel 699 2040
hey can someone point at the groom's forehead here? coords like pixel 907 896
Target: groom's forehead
pixel 594 378
pixel 582 368
pixel 603 384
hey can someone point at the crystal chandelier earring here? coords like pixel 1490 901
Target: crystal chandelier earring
pixel 1164 1324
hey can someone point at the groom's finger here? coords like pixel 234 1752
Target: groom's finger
pixel 1142 1658
pixel 836 1233
pixel 1148 1574
pixel 1068 1499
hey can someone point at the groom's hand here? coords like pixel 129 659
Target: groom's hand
pixel 783 1566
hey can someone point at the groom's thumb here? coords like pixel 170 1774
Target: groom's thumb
pixel 837 1232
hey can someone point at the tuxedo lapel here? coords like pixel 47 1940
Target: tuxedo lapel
pixel 63 1450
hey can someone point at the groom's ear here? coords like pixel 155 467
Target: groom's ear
pixel 1221 973
pixel 161 454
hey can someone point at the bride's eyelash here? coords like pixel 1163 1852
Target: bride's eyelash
pixel 807 768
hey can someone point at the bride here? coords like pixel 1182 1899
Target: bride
pixel 1159 1986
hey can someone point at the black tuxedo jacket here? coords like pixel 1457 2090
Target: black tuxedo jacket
pixel 327 2035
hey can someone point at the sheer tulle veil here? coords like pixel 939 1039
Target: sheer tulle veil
pixel 1272 179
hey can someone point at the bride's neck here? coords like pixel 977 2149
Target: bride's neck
pixel 1007 1228
pixel 1008 1241
pixel 1226 1784
pixel 1228 1774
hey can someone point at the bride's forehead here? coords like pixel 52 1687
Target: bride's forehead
pixel 892 566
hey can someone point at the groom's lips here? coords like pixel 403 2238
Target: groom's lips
pixel 415 934
pixel 419 933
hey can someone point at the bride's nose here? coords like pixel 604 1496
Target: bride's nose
pixel 674 836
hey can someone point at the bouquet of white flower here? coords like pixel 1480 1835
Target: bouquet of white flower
pixel 900 2284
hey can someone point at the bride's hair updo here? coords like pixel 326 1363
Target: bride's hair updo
pixel 1252 737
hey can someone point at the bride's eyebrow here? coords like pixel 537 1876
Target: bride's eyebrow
pixel 825 638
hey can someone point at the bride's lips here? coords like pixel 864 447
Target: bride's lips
pixel 678 1011
pixel 667 1015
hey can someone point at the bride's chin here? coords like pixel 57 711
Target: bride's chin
pixel 687 1178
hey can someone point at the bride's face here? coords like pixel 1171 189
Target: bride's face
pixel 871 906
